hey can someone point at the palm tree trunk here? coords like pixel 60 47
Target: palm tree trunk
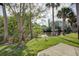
pixel 31 35
pixel 63 27
pixel 53 24
pixel 5 23
pixel 77 9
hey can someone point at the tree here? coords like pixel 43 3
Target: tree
pixel 37 30
pixel 77 9
pixel 72 20
pixel 53 5
pixel 49 23
pixel 31 35
pixel 24 14
pixel 64 13
pixel 1 25
pixel 5 22
pixel 18 10
pixel 35 11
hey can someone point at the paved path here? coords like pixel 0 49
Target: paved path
pixel 60 50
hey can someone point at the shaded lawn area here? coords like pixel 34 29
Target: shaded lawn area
pixel 10 50
pixel 34 46
pixel 70 39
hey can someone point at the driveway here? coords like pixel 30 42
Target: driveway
pixel 60 50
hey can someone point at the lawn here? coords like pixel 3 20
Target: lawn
pixel 70 39
pixel 35 45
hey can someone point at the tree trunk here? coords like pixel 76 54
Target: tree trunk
pixel 77 9
pixel 21 26
pixel 63 27
pixel 5 23
pixel 53 24
pixel 31 35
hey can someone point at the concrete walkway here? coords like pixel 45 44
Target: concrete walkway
pixel 60 50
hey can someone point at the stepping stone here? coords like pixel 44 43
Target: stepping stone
pixel 60 50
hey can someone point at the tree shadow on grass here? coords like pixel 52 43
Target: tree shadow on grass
pixel 72 37
pixel 13 50
pixel 71 41
pixel 3 51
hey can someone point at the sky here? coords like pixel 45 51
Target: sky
pixel 44 21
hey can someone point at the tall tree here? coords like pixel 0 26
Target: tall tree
pixel 21 22
pixel 64 13
pixel 18 10
pixel 34 11
pixel 53 5
pixel 5 23
pixel 72 20
pixel 77 9
pixel 31 35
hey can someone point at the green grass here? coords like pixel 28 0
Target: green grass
pixel 10 50
pixel 41 44
pixel 70 39
pixel 35 45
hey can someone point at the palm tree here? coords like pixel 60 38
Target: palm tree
pixel 5 22
pixel 77 9
pixel 72 20
pixel 64 13
pixel 53 5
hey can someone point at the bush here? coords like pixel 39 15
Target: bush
pixel 68 30
pixel 1 37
